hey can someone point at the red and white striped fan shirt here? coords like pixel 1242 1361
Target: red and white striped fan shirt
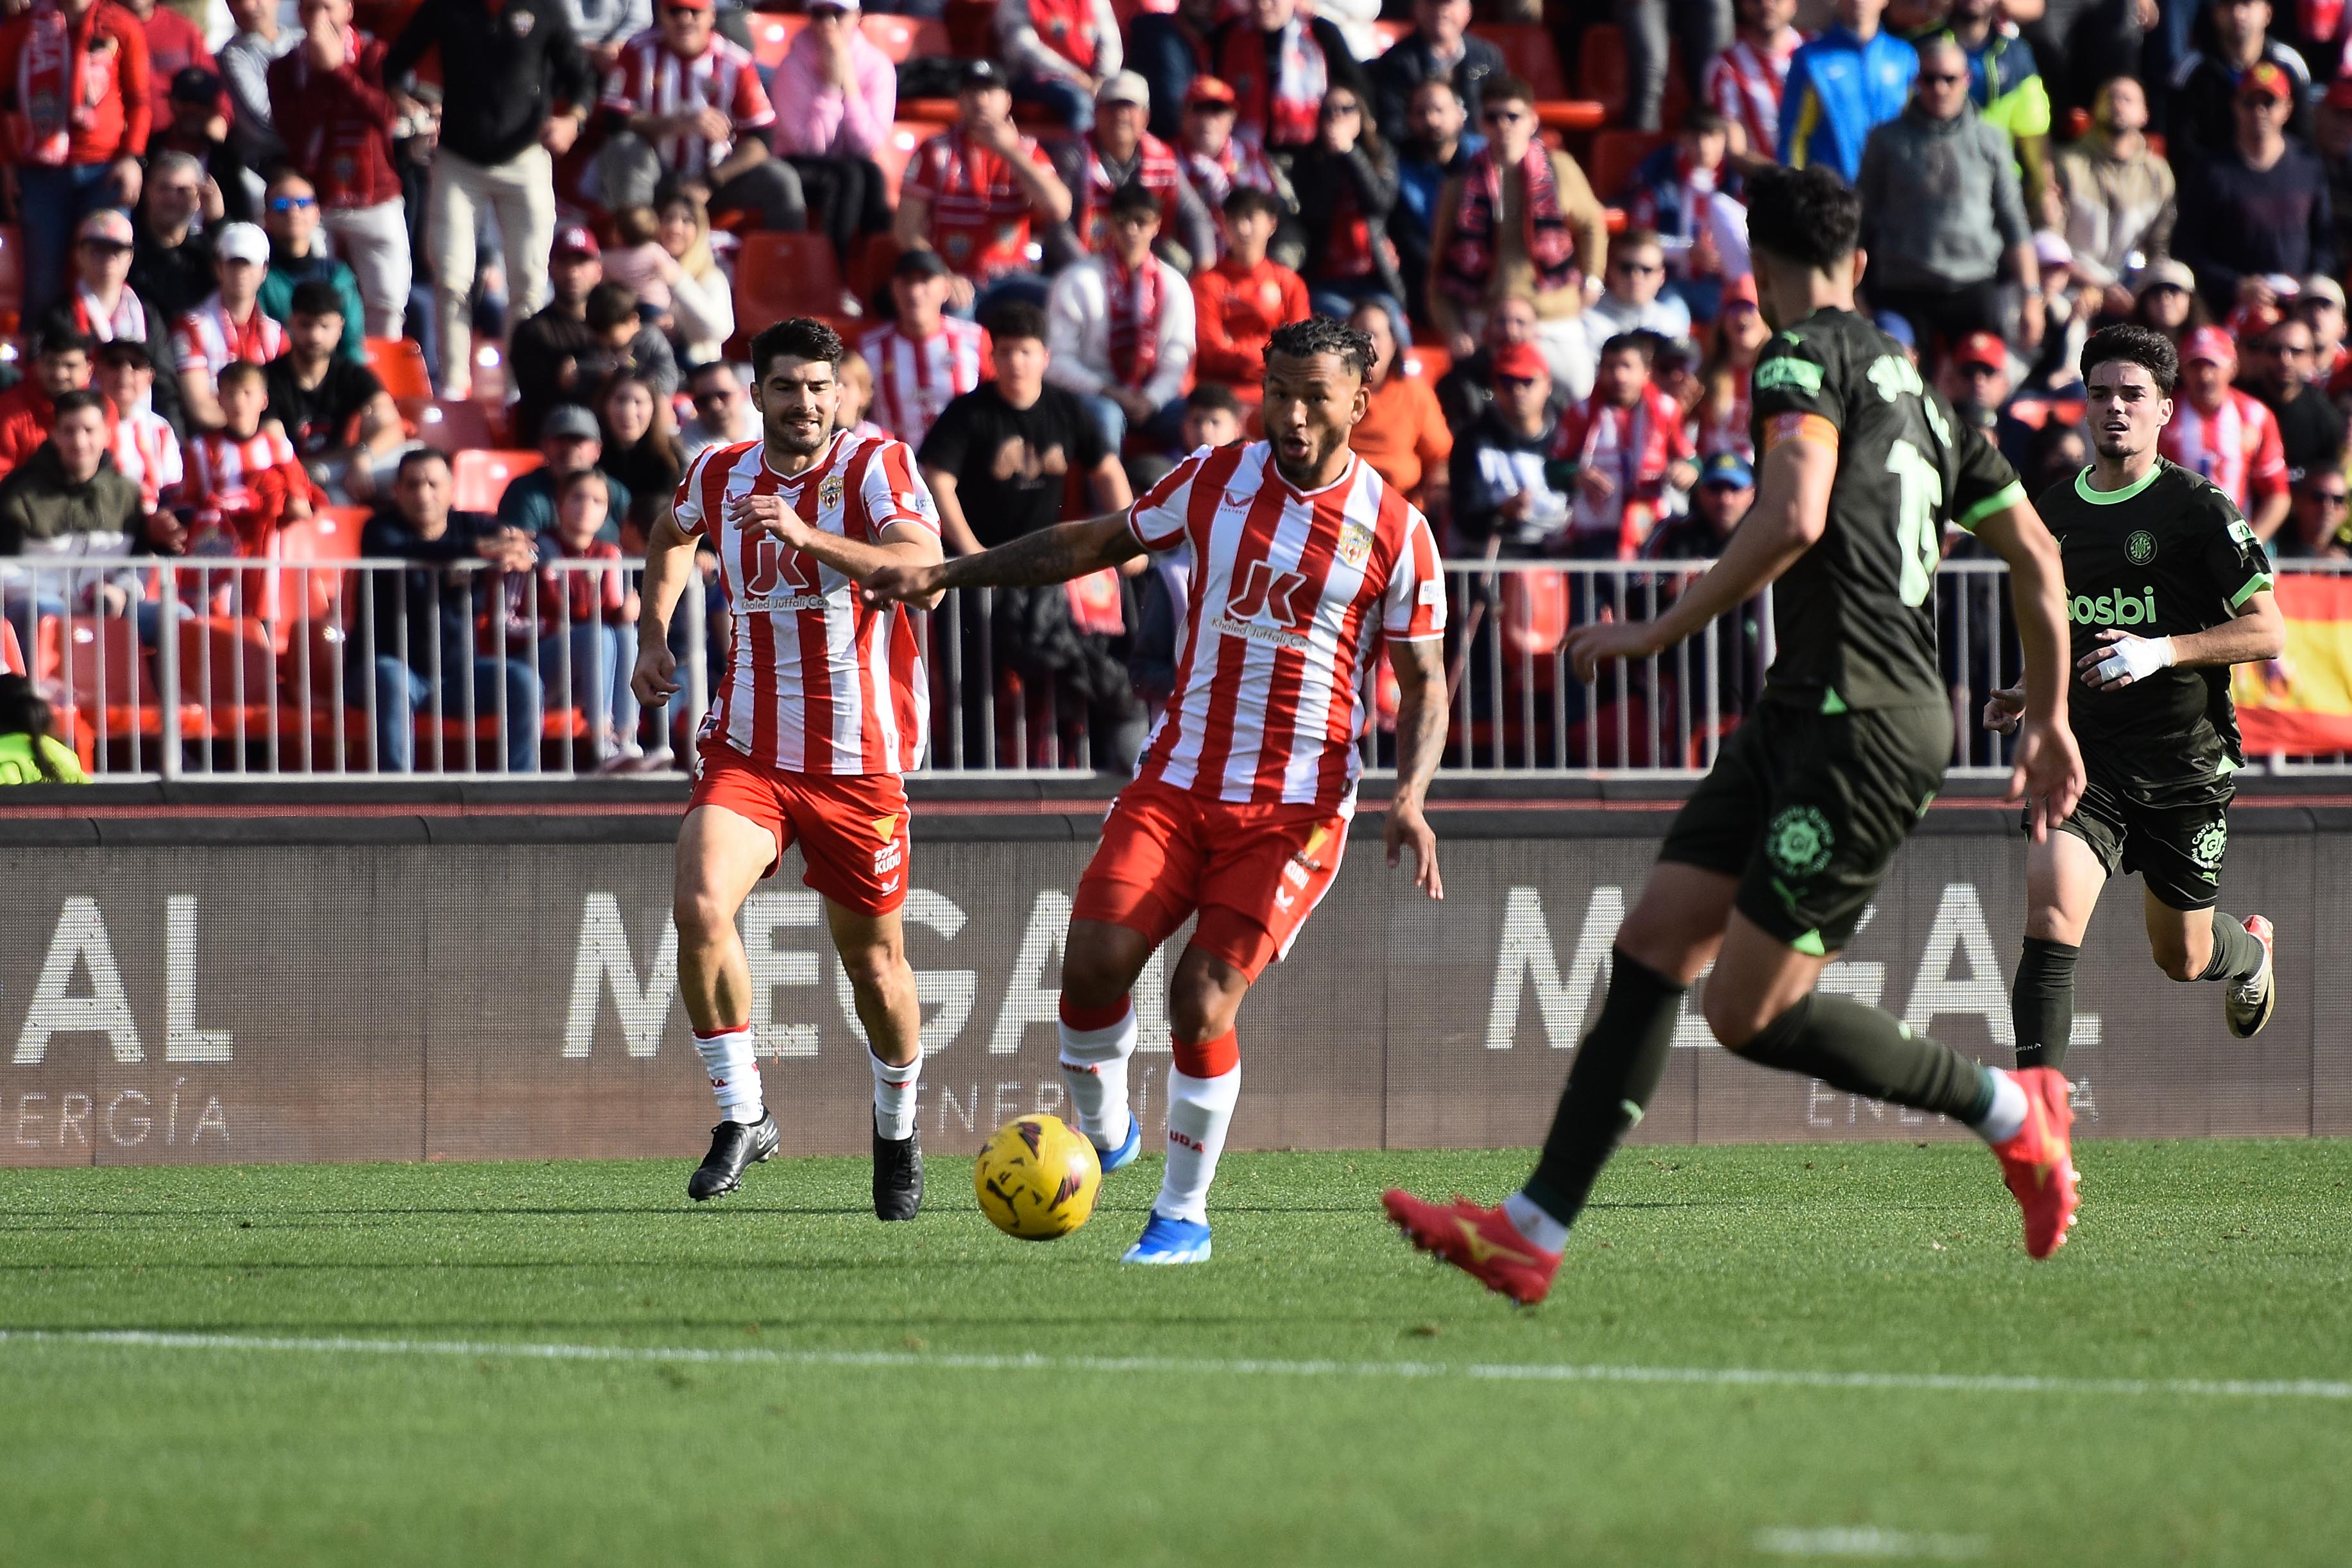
pixel 913 379
pixel 1745 85
pixel 206 338
pixel 651 79
pixel 818 682
pixel 148 453
pixel 223 469
pixel 1288 588
pixel 2236 446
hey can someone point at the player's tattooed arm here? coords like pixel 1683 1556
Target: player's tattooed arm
pixel 1421 740
pixel 1053 554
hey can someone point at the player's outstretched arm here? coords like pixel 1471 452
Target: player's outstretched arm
pixel 1421 740
pixel 1792 506
pixel 1053 554
pixel 2255 633
pixel 2046 766
pixel 669 565
pixel 903 544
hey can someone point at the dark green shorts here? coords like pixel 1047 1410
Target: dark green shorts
pixel 2172 835
pixel 1806 809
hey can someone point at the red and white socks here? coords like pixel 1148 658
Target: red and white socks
pixel 1202 1091
pixel 894 1096
pixel 733 1072
pixel 1096 1044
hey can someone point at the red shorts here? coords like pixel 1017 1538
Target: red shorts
pixel 851 828
pixel 1254 872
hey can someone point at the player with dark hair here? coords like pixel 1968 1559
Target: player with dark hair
pixel 2168 587
pixel 1769 864
pixel 1239 811
pixel 824 705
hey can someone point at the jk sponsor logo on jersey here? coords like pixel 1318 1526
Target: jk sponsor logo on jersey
pixel 2112 608
pixel 1788 371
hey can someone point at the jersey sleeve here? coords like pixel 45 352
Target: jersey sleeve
pixel 1157 520
pixel 1791 393
pixel 1412 605
pixel 894 494
pixel 686 505
pixel 749 110
pixel 2233 557
pixel 2266 474
pixel 187 345
pixel 1983 482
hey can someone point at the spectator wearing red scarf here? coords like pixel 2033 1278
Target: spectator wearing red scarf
pixel 331 106
pixel 974 190
pixel 1120 327
pixel 74 91
pixel 1279 65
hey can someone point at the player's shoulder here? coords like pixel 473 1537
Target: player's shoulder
pixel 721 459
pixel 2192 502
pixel 1806 357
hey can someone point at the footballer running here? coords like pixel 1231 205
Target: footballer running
pixel 2167 588
pixel 824 705
pixel 1240 807
pixel 1769 864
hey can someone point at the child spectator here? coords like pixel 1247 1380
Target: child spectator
pixel 923 359
pixel 146 448
pixel 583 621
pixel 634 261
pixel 1623 448
pixel 1241 300
pixel 244 481
pixel 1121 332
pixel 29 409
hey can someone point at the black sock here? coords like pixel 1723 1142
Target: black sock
pixel 1865 1051
pixel 2236 953
pixel 2041 1002
pixel 1610 1084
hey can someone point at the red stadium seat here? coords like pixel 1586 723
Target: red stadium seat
pixel 229 672
pixel 1600 68
pixel 870 272
pixel 12 282
pixel 897 150
pixel 772 36
pixel 448 424
pixel 904 38
pixel 1427 362
pixel 1534 619
pixel 1528 51
pixel 337 531
pixel 1615 155
pixel 99 662
pixel 481 477
pixel 779 275
pixel 399 363
pixel 11 652
pixel 295 590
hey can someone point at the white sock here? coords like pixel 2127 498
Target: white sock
pixel 894 1098
pixel 1094 1069
pixel 2006 1120
pixel 1199 1112
pixel 734 1074
pixel 1531 1220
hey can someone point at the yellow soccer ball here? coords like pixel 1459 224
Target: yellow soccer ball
pixel 1037 1178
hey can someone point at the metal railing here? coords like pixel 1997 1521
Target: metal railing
pixel 185 668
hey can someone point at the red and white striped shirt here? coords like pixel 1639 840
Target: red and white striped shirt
pixel 914 378
pixel 979 211
pixel 148 453
pixel 818 683
pixel 226 468
pixel 2236 446
pixel 127 320
pixel 205 338
pixel 1288 588
pixel 651 79
pixel 1745 85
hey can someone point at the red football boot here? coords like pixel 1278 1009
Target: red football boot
pixel 1481 1242
pixel 2038 1163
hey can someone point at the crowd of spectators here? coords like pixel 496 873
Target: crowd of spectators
pixel 220 214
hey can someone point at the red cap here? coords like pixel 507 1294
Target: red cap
pixel 1740 291
pixel 689 4
pixel 575 240
pixel 1207 90
pixel 2266 80
pixel 1520 362
pixel 2209 343
pixel 1983 348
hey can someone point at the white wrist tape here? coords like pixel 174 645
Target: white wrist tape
pixel 2139 658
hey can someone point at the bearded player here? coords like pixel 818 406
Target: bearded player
pixel 1769 864
pixel 823 706
pixel 1239 810
pixel 2152 547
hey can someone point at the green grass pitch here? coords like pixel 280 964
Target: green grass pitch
pixel 795 1384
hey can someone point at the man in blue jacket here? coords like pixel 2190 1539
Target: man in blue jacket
pixel 1851 78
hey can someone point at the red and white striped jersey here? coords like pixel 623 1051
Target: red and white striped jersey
pixel 818 682
pixel 651 79
pixel 206 338
pixel 980 214
pixel 1287 587
pixel 913 379
pixel 2236 446
pixel 223 469
pixel 148 453
pixel 1745 85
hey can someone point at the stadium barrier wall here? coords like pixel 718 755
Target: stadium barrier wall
pixel 354 987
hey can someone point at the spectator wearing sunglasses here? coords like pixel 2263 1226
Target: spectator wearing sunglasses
pixel 297 255
pixel 722 410
pixel 1502 464
pixel 330 104
pixel 2319 524
pixel 1521 219
pixel 1942 210
pixel 1636 300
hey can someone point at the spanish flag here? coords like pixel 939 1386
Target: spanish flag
pixel 2301 703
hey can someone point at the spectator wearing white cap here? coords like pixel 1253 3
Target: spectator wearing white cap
pixel 1060 52
pixel 1118 152
pixel 229 326
pixel 2319 305
pixel 687 104
pixel 836 95
pixel 2164 298
pixel 2118 195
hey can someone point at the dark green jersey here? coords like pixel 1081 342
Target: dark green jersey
pixel 2165 557
pixel 1853 619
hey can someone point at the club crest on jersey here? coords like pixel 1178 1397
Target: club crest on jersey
pixel 2140 547
pixel 1355 543
pixel 1799 841
pixel 828 493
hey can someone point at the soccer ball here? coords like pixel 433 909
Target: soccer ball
pixel 1037 1178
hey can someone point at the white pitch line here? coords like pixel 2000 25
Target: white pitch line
pixel 919 1361
pixel 1867 1541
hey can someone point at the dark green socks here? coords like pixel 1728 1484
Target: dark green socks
pixel 2041 1002
pixel 1865 1051
pixel 2236 953
pixel 1610 1084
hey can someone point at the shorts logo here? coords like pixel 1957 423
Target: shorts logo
pixel 1799 841
pixel 2140 547
pixel 886 859
pixel 2210 841
pixel 886 828
pixel 1355 544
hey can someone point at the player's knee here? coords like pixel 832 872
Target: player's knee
pixel 873 969
pixel 1733 1020
pixel 702 916
pixel 1094 975
pixel 2177 963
